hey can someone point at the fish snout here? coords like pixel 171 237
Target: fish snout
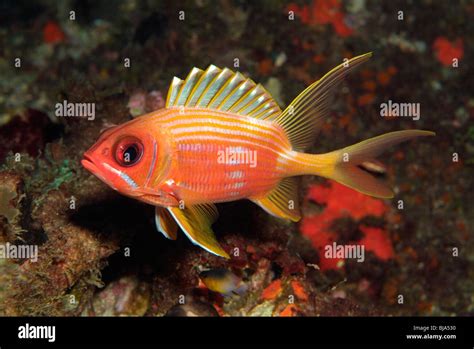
pixel 88 163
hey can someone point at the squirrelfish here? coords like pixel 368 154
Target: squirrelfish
pixel 222 137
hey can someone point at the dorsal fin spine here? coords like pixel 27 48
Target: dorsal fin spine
pixel 226 90
pixel 188 85
pixel 244 100
pixel 223 90
pixel 173 91
pixel 235 95
pixel 201 102
pixel 262 110
pixel 251 105
pixel 201 85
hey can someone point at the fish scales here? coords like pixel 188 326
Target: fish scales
pixel 201 135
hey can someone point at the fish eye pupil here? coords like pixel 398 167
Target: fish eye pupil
pixel 128 152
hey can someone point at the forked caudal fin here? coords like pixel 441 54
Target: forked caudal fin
pixel 343 165
pixel 304 116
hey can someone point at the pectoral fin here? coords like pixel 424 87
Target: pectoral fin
pixel 282 201
pixel 196 221
pixel 165 223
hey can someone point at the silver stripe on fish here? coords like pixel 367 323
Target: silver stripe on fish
pixel 122 175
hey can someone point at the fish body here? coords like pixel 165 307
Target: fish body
pixel 221 137
pixel 219 156
pixel 222 281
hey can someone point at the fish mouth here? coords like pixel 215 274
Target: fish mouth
pixel 89 165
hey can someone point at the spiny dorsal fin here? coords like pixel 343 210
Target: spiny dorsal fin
pixel 282 201
pixel 173 91
pixel 222 89
pixel 303 117
pixel 188 86
pixel 196 221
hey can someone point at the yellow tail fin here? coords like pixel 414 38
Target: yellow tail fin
pixel 343 165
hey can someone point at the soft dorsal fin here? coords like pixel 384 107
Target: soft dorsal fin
pixel 196 221
pixel 304 116
pixel 222 89
pixel 282 201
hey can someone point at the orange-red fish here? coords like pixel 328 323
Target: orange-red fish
pixel 221 137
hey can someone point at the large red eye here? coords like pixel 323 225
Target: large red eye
pixel 128 151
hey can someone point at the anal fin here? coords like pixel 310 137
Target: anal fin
pixel 196 221
pixel 282 201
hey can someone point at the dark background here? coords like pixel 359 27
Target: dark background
pixel 82 61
